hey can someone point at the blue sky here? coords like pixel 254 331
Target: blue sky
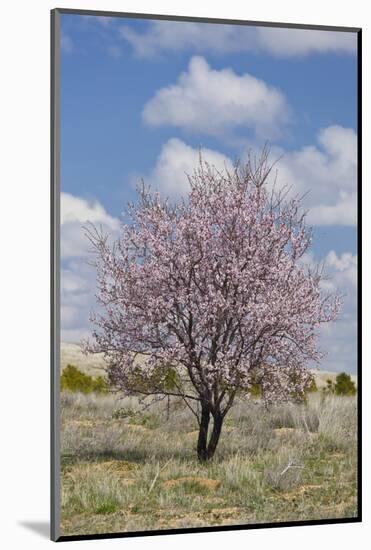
pixel 138 98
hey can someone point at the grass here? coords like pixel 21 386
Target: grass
pixel 138 471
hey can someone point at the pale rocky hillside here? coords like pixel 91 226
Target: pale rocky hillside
pixel 72 354
pixel 94 364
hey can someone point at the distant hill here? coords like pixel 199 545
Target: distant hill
pixel 94 364
pixel 71 354
pixel 323 375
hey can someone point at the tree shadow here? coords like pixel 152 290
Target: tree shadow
pixel 42 528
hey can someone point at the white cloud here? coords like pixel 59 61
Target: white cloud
pixel 339 342
pixel 77 298
pixel 212 101
pixel 344 270
pixel 343 212
pixel 161 36
pixel 177 36
pixel 300 42
pixel 340 274
pixel 68 315
pixel 339 338
pixel 75 213
pixel 76 209
pixel 328 171
pixel 341 144
pixel 72 281
pixel 75 336
pixel 77 275
pixel 176 160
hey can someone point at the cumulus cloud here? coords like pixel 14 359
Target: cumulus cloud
pixel 75 213
pixel 325 172
pixel 344 212
pixel 177 36
pixel 212 101
pixel 173 36
pixel 340 272
pixel 77 275
pixel 328 170
pixel 76 209
pixel 176 160
pixel 344 271
pixel 301 42
pixel 77 298
pixel 338 339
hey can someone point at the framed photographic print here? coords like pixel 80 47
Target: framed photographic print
pixel 206 183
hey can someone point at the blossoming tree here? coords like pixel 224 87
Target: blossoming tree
pixel 203 298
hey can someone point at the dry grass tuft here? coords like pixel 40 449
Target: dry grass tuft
pixel 191 482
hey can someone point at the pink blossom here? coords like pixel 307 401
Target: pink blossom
pixel 211 287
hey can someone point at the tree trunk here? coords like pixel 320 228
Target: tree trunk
pixel 202 435
pixel 205 448
pixel 215 435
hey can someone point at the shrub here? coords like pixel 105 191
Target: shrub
pixel 312 388
pixel 136 417
pixel 329 388
pixel 122 413
pixel 100 385
pixel 256 390
pixel 73 380
pixel 284 474
pixel 344 385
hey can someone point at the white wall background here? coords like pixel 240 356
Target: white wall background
pixel 24 255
